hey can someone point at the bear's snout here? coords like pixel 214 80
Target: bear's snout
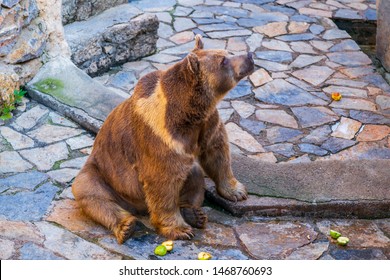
pixel 243 65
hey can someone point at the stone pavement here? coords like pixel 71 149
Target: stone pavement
pixel 283 112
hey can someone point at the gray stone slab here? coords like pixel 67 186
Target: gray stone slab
pixel 153 6
pixel 314 116
pixel 27 206
pixel 347 45
pixel 367 117
pixel 12 162
pixel 316 29
pixel 123 80
pixel 297 37
pixel 48 133
pixel 63 81
pixel 335 145
pixel 250 22
pixel 243 88
pixel 218 27
pixel 27 180
pixel 347 14
pixel 45 157
pixel 350 58
pixel 312 149
pixel 318 135
pixel 31 251
pixel 253 127
pixel 276 56
pixel 285 149
pixel 282 134
pixel 71 246
pixel 281 92
pixel 278 240
pixel 16 139
pixel 30 118
pixel 336 33
pixel 227 11
pixel 314 74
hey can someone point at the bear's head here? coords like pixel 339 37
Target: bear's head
pixel 219 70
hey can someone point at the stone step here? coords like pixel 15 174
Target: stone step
pixel 331 189
pixel 65 88
pixel 116 36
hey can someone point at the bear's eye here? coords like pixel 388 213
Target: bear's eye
pixel 224 61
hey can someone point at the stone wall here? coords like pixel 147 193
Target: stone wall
pixel 76 10
pixel 30 32
pixel 383 33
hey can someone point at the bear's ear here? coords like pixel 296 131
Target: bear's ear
pixel 198 42
pixel 192 63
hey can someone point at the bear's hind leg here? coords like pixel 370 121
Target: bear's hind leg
pixel 98 202
pixel 191 198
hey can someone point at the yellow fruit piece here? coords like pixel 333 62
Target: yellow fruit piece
pixel 334 234
pixel 160 250
pixel 342 240
pixel 204 256
pixel 168 244
pixel 336 96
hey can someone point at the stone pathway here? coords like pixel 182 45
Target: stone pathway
pixel 284 111
pixel 303 58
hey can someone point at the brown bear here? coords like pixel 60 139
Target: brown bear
pixel 152 151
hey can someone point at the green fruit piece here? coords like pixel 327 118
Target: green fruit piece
pixel 160 250
pixel 342 240
pixel 334 234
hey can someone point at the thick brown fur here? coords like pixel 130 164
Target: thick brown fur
pixel 152 150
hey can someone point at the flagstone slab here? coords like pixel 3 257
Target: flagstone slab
pixel 279 117
pixel 314 74
pixel 27 206
pixel 17 140
pixel 28 180
pixel 354 104
pixel 372 132
pixel 281 92
pixel 70 245
pixel 31 117
pixel 45 157
pixel 279 239
pixel 304 60
pixel 48 133
pixel 350 58
pixel 346 128
pixel 282 134
pixel 318 135
pixel 253 127
pixel 314 116
pixel 242 138
pixel 335 145
pixel 11 161
pixel 369 117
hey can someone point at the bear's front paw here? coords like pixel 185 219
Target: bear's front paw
pixel 235 193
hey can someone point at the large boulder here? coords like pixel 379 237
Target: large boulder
pixel 383 33
pixel 113 37
pixel 76 10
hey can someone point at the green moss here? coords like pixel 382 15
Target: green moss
pixel 50 86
